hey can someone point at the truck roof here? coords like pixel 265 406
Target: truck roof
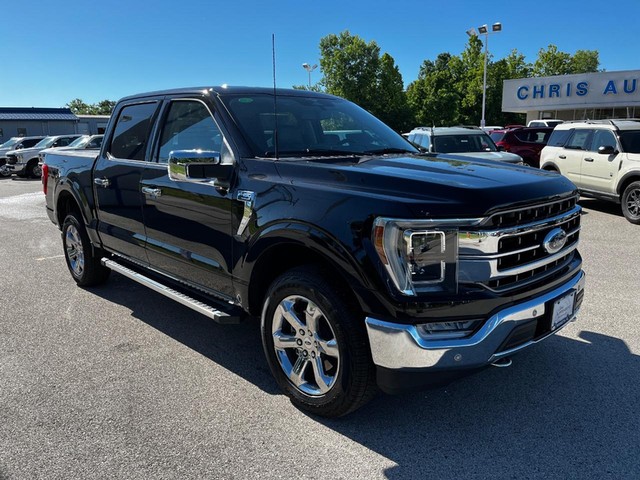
pixel 225 89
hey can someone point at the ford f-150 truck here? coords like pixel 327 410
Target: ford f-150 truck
pixel 370 264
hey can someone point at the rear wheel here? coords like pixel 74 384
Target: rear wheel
pixel 316 344
pixel 631 202
pixel 82 259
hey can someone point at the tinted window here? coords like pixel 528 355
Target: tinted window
pixel 131 132
pixel 630 140
pixel 29 142
pixel 533 135
pixel 189 126
pixel 580 140
pixel 558 138
pixel 603 138
pixel 463 143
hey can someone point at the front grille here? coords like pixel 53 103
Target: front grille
pixel 12 160
pixel 507 257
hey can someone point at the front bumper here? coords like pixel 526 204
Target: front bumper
pixel 407 360
pixel 16 167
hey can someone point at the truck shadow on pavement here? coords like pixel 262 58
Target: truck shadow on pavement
pixel 567 408
pixel 603 206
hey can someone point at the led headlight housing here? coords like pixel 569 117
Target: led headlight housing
pixel 419 255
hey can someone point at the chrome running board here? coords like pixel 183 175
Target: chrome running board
pixel 215 314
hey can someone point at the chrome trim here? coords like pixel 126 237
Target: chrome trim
pixel 397 346
pixel 486 241
pixel 529 207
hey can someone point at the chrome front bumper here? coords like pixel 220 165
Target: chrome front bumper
pixel 395 346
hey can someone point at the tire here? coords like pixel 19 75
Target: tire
pixel 33 170
pixel 316 344
pixel 82 259
pixel 631 203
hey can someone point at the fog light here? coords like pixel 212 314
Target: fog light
pixel 447 330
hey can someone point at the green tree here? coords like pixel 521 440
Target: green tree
pixel 104 107
pixel 555 62
pixel 78 107
pixel 350 68
pixel 391 102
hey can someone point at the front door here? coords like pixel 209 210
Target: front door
pixel 188 224
pixel 570 158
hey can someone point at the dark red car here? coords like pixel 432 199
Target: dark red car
pixel 524 141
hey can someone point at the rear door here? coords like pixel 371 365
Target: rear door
pixel 117 175
pixel 188 224
pixel 599 170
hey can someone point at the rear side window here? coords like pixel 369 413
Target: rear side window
pixel 30 142
pixel 533 136
pixel 131 133
pixel 630 140
pixel 558 138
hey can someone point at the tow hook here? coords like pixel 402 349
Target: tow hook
pixel 502 362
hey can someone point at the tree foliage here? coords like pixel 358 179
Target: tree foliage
pixel 79 107
pixel 353 69
pixel 448 90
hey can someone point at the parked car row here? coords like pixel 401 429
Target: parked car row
pixel 23 156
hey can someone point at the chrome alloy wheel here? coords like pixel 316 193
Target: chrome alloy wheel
pixel 305 345
pixel 74 251
pixel 633 202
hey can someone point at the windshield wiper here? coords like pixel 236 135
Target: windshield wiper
pixel 382 151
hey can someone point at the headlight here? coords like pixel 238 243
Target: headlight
pixel 419 258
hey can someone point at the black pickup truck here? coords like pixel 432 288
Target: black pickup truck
pixel 369 263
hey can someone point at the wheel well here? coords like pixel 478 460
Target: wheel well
pixel 550 168
pixel 66 203
pixel 280 258
pixel 625 183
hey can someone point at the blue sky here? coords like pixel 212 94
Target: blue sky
pixel 55 51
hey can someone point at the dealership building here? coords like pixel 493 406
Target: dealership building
pixel 585 96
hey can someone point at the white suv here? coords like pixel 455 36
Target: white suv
pixel 602 157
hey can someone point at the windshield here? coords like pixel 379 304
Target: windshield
pixel 630 140
pixel 311 126
pixel 497 136
pixel 79 142
pixel 464 143
pixel 46 142
pixel 11 142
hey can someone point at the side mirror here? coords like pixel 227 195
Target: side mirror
pixel 198 166
pixel 606 150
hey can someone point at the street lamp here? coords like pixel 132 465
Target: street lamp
pixel 309 68
pixel 484 30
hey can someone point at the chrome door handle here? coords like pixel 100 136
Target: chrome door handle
pixel 588 159
pixel 154 192
pixel 562 156
pixel 102 182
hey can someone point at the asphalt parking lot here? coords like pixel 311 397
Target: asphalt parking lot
pixel 120 382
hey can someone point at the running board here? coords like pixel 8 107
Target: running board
pixel 217 315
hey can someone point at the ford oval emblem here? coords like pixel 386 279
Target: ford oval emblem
pixel 555 240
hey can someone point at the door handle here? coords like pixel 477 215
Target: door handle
pixel 102 182
pixel 588 159
pixel 153 192
pixel 562 156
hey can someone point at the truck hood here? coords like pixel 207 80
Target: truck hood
pixel 24 151
pixel 499 156
pixel 453 185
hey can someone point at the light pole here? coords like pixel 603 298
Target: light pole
pixel 484 30
pixel 309 68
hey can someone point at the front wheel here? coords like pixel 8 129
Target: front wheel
pixel 631 203
pixel 316 344
pixel 82 260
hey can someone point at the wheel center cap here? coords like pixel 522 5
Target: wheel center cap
pixel 307 342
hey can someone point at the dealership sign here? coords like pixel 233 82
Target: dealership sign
pixel 586 90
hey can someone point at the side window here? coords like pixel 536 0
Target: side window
pixel 64 141
pixel 188 125
pixel 29 142
pixel 579 140
pixel 558 138
pixel 131 132
pixel 603 138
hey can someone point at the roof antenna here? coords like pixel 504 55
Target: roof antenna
pixel 275 97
